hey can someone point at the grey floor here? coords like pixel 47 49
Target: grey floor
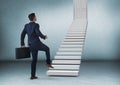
pixel 91 73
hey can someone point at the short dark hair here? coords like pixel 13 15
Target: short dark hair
pixel 31 16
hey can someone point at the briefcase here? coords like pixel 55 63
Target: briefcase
pixel 22 52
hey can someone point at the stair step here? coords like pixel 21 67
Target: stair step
pixel 74 37
pixel 70 49
pixel 80 41
pixel 71 62
pixel 66 67
pixel 78 32
pixel 69 53
pixel 81 27
pixel 67 57
pixel 62 73
pixel 75 33
pixel 71 46
pixel 73 43
pixel 72 40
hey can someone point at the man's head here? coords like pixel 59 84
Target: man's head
pixel 32 17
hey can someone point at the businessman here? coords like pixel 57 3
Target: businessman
pixel 35 44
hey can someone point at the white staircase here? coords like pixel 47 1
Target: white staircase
pixel 68 58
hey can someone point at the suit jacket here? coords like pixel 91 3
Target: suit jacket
pixel 33 32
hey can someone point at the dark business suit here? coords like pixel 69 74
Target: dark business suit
pixel 33 32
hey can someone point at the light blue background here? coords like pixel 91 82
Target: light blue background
pixel 55 17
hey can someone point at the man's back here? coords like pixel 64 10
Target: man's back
pixel 33 32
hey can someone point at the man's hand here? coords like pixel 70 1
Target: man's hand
pixel 46 37
pixel 23 46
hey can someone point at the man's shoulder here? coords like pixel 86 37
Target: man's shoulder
pixel 37 24
pixel 30 24
pixel 26 24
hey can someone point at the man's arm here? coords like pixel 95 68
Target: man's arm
pixel 23 36
pixel 38 32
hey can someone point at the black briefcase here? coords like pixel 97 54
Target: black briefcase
pixel 22 52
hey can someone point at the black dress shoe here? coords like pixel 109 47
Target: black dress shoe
pixel 49 65
pixel 33 78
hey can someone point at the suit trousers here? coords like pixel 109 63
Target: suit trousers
pixel 34 50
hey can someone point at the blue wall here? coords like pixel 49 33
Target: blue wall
pixel 103 36
pixel 55 17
